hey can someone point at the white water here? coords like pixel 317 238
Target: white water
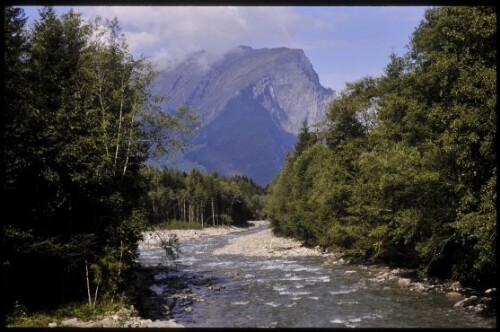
pixel 300 292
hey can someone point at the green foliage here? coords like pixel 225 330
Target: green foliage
pixel 177 200
pixel 305 139
pixel 20 317
pixel 407 174
pixel 171 246
pixel 80 121
pixel 175 224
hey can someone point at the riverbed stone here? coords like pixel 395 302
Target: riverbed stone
pixel 53 324
pixel 215 288
pixel 69 322
pixel 163 323
pixel 456 286
pixel 404 273
pixel 419 287
pixel 399 277
pixel 490 292
pixel 108 322
pixel 486 300
pixel 404 282
pixel 453 294
pixel 480 308
pixel 469 301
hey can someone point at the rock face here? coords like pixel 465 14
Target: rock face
pixel 251 103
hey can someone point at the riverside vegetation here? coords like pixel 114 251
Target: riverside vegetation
pixel 80 122
pixel 402 170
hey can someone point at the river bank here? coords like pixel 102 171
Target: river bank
pixel 169 293
pixel 125 317
pixel 265 244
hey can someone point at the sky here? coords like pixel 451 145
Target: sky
pixel 343 44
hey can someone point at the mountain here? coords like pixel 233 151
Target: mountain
pixel 251 103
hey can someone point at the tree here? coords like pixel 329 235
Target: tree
pixel 349 116
pixel 81 122
pixel 15 43
pixel 454 55
pixel 305 139
pixel 412 175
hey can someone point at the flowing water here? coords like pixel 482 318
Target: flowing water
pixel 298 292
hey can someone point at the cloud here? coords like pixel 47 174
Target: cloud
pixel 340 41
pixel 167 34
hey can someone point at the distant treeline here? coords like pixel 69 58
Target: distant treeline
pixel 206 199
pixel 403 169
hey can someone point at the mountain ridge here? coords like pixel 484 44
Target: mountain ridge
pixel 246 82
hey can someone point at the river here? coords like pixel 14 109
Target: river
pixel 241 291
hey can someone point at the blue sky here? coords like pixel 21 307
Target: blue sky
pixel 343 43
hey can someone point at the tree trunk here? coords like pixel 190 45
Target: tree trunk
pixel 103 114
pixel 128 147
pixel 88 283
pixel 213 212
pixel 184 211
pixel 201 210
pixel 95 295
pixel 119 134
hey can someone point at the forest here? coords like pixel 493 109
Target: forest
pixel 401 171
pixel 403 168
pixel 198 200
pixel 80 124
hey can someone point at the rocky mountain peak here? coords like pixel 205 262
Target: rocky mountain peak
pixel 278 84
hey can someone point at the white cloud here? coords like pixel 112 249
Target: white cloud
pixel 341 42
pixel 166 34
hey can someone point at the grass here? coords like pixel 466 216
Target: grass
pixel 176 224
pixel 20 317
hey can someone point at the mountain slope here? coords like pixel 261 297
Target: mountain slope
pixel 251 103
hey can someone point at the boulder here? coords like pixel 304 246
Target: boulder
pixel 215 288
pixel 69 322
pixel 490 292
pixel 404 273
pixel 53 324
pixel 486 300
pixel 456 287
pixel 418 286
pixel 404 282
pixel 470 301
pixel 480 308
pixel 107 322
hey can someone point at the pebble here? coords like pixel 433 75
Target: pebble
pixel 490 292
pixel 265 244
